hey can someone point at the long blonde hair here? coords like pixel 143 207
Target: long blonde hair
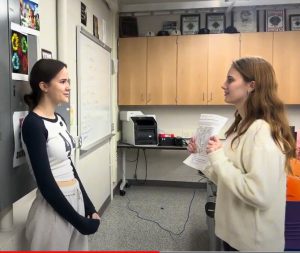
pixel 263 103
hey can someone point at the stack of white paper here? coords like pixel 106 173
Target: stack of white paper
pixel 209 125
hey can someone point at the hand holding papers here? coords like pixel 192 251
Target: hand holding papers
pixel 209 125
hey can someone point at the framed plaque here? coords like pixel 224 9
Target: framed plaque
pixel 294 22
pixel 46 54
pixel 245 20
pixel 215 22
pixel 275 20
pixel 190 24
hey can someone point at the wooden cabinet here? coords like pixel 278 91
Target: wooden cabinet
pixel 192 70
pixel 257 44
pixel 132 71
pixel 222 50
pixel 286 62
pixel 161 70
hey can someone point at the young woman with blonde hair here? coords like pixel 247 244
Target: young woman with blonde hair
pixel 250 168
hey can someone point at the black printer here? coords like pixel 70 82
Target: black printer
pixel 138 129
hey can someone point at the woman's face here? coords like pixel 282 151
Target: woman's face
pixel 235 88
pixel 59 88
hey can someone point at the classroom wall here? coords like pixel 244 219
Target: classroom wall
pixel 94 167
pixel 182 121
pixel 154 22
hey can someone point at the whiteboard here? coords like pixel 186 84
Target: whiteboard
pixel 94 89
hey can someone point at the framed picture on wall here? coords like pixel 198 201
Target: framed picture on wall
pixel 190 24
pixel 83 13
pixel 245 20
pixel 294 22
pixel 275 20
pixel 95 27
pixel 215 22
pixel 46 54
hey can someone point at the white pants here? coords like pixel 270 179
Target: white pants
pixel 47 230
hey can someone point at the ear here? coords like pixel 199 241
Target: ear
pixel 252 86
pixel 44 87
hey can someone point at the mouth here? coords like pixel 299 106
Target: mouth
pixel 226 93
pixel 67 95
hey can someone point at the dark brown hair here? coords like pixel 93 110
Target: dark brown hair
pixel 43 70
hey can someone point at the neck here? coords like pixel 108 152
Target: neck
pixel 241 110
pixel 45 109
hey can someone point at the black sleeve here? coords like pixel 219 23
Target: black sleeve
pixel 34 136
pixel 88 205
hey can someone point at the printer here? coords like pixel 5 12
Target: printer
pixel 138 129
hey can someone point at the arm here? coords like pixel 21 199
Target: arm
pixel 34 136
pixel 88 205
pixel 210 174
pixel 263 162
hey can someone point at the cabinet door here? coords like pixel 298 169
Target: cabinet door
pixel 286 62
pixel 223 49
pixel 192 70
pixel 132 71
pixel 257 44
pixel 161 70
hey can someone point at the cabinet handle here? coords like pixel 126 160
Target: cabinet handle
pixel 203 96
pixel 210 97
pixel 142 97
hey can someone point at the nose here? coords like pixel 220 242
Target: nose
pixel 224 86
pixel 68 86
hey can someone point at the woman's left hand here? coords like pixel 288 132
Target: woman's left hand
pixel 94 216
pixel 213 144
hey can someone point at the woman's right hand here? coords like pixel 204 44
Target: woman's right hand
pixel 192 146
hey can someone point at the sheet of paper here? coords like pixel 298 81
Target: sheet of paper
pixel 209 125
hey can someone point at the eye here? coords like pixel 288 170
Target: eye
pixel 230 79
pixel 64 81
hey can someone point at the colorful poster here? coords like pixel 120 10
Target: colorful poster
pixel 19 154
pixel 30 17
pixel 19 53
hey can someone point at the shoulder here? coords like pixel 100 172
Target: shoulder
pixel 259 134
pixel 259 125
pixel 33 124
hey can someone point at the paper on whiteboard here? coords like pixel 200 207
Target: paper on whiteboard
pixel 209 125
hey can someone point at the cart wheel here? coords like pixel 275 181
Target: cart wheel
pixel 127 185
pixel 122 192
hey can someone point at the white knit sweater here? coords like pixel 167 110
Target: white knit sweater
pixel 251 191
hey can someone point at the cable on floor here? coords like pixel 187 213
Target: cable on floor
pixel 157 223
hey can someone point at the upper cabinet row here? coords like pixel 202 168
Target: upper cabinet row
pixel 189 70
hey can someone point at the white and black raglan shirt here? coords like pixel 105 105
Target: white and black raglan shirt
pixel 48 147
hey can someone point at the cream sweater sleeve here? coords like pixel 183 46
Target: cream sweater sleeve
pixel 263 162
pixel 210 174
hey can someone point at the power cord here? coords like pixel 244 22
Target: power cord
pixel 171 233
pixel 132 161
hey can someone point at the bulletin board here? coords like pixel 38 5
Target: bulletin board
pixel 94 89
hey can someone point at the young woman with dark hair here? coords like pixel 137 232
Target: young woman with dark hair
pixel 62 214
pixel 250 169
